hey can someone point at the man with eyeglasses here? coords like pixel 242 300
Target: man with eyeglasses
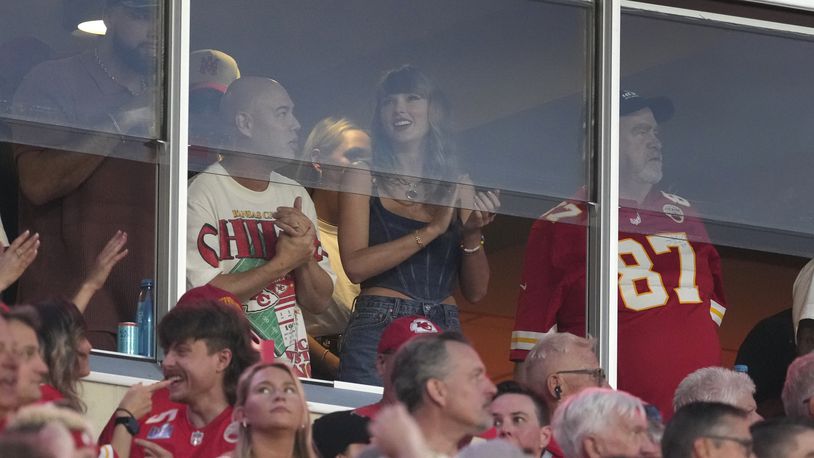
pixel 671 298
pixel 707 430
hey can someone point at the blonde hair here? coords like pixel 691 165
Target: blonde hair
pixel 303 447
pixel 326 136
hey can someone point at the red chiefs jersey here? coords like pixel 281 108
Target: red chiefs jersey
pixel 670 291
pixel 168 426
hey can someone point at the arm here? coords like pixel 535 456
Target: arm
pixel 474 276
pixel 360 260
pixel 138 400
pixel 110 255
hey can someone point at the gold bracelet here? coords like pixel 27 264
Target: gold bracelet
pixel 418 240
pixel 322 358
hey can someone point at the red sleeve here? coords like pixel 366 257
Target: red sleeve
pixel 553 274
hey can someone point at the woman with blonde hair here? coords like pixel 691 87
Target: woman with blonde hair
pixel 272 413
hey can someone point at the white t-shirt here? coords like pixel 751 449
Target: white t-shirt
pixel 3 236
pixel 803 302
pixel 230 229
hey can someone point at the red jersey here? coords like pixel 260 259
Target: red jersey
pixel 168 426
pixel 670 291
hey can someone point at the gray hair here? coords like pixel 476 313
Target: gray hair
pixel 713 384
pixel 588 413
pixel 422 358
pixel 799 386
pixel 553 345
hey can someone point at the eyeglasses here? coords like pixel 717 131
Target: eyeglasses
pixel 598 374
pixel 745 443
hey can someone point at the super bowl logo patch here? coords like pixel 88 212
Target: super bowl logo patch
pixel 160 432
pixel 674 212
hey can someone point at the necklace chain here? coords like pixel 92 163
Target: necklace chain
pixel 142 81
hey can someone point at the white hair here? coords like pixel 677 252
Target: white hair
pixel 799 386
pixel 713 384
pixel 589 412
pixel 551 346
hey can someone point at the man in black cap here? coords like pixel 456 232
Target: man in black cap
pixel 671 297
pixel 81 182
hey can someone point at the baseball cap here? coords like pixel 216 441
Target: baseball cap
pixel 402 330
pixel 212 69
pixel 631 102
pixel 209 293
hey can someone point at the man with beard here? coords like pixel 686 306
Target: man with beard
pixel 670 289
pixel 81 182
pixel 253 232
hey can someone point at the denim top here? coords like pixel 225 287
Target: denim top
pixel 430 274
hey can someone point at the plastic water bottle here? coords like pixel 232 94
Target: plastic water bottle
pixel 144 319
pixel 741 368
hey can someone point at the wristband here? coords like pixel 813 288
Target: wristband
pixel 130 423
pixel 477 248
pixel 418 240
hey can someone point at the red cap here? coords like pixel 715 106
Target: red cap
pixel 402 330
pixel 209 293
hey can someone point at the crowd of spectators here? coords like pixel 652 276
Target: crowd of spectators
pixel 353 279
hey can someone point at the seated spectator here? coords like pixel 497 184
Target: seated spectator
pixel 521 418
pixel 601 422
pixel 273 413
pixel 718 384
pixel 784 438
pixel 442 382
pixel 803 309
pixel 66 350
pixel 709 430
pixel 335 432
pixel 24 323
pixel 8 373
pixel 332 145
pixel 798 390
pixel 39 419
pixel 207 346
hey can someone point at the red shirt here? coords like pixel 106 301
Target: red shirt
pixel 49 394
pixel 670 291
pixel 168 426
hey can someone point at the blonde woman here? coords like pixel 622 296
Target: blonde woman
pixel 272 413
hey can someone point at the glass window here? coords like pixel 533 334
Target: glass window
pixel 80 115
pixel 714 153
pixel 434 104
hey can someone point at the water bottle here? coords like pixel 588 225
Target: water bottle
pixel 144 319
pixel 741 368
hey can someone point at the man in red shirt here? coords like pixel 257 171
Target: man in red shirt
pixel 207 345
pixel 671 298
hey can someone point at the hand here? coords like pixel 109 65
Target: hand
pixel 17 257
pixel 291 220
pixel 484 204
pixel 444 214
pixel 110 255
pixel 298 250
pixel 138 116
pixel 138 399
pixel 397 434
pixel 152 450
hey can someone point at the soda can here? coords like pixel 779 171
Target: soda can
pixel 128 342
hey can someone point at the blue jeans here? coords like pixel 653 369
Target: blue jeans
pixel 371 315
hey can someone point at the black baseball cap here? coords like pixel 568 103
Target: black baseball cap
pixel 631 102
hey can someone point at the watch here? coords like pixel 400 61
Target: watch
pixel 130 423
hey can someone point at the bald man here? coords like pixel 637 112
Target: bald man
pixel 251 231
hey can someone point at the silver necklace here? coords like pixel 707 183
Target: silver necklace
pixel 411 191
pixel 104 68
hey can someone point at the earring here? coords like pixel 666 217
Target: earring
pixel 244 424
pixel 558 392
pixel 318 169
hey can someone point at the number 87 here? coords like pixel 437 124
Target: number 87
pixel 642 269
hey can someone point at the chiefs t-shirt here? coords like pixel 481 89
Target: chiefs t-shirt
pixel 670 291
pixel 168 426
